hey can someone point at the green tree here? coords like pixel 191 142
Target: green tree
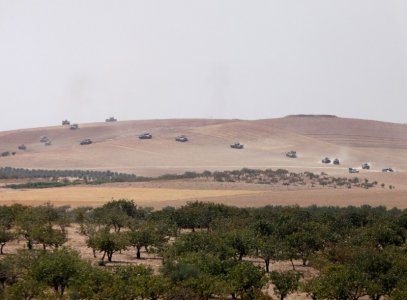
pixel 285 282
pixel 108 242
pixel 57 268
pixel 246 280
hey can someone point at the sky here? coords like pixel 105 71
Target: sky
pixel 152 59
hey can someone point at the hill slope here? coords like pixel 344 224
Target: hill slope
pixel 117 147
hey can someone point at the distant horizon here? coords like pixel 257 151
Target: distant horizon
pixel 221 119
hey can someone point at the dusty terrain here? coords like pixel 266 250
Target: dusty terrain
pixel 116 147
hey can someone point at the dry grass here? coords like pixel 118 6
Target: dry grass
pixel 98 195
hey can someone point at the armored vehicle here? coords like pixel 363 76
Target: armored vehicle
pixel 86 142
pixel 291 154
pixel 48 143
pixel 365 166
pixel 22 147
pixel 387 170
pixel 237 146
pixel 326 160
pixel 66 122
pixel 111 119
pixel 44 139
pixel 353 170
pixel 5 153
pixel 74 126
pixel 336 161
pixel 145 136
pixel 181 138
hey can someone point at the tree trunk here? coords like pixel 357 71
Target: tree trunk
pixel 109 256
pixel 29 245
pixel 267 261
pixel 103 257
pixel 94 252
pixel 292 263
pixel 138 252
pixel 1 248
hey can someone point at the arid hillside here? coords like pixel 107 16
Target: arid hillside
pixel 116 145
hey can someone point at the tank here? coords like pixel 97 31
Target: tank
pixel 111 119
pixel 66 122
pixel 237 145
pixel 365 166
pixel 387 170
pixel 48 143
pixel 291 154
pixel 326 160
pixel 86 142
pixel 74 126
pixel 336 161
pixel 145 136
pixel 353 170
pixel 22 147
pixel 44 139
pixel 181 138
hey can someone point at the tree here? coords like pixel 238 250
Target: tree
pixel 337 282
pixel 57 268
pixel 241 240
pixel 108 242
pixel 245 280
pixel 285 282
pixel 47 236
pixel 269 249
pixel 145 235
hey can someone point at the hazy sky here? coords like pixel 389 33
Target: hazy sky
pixel 86 60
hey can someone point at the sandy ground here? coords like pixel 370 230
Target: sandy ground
pixel 176 193
pixel 116 147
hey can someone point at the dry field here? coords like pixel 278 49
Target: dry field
pixel 116 147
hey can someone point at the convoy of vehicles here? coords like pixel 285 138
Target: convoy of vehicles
pixel 184 138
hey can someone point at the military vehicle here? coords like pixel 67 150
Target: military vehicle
pixel 336 161
pixel 74 126
pixel 22 147
pixel 145 136
pixel 365 166
pixel 66 122
pixel 291 154
pixel 237 145
pixel 5 153
pixel 326 160
pixel 353 170
pixel 111 119
pixel 86 142
pixel 387 170
pixel 48 143
pixel 181 138
pixel 44 139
